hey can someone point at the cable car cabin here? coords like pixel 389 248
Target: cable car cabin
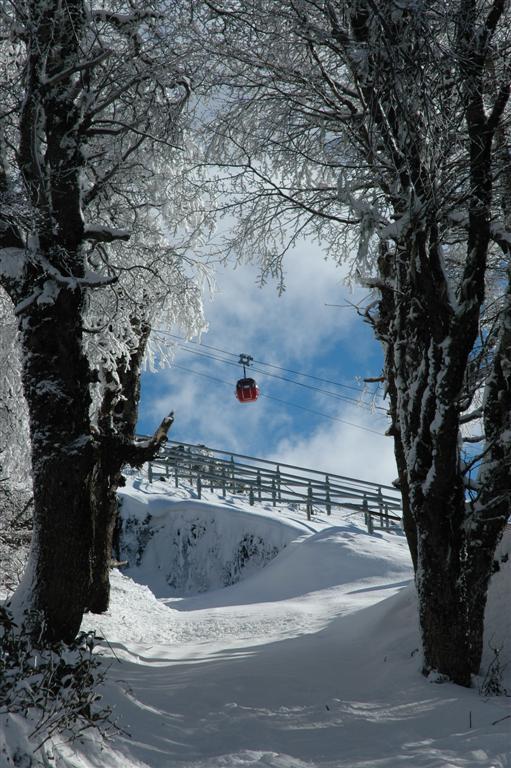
pixel 247 390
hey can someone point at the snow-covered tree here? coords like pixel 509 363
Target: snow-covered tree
pixel 382 129
pixel 94 99
pixel 15 474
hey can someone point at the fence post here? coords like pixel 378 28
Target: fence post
pixel 273 493
pixel 251 496
pixel 279 496
pixel 224 482
pixel 233 475
pixel 176 476
pixel 199 485
pixel 387 520
pixel 328 504
pixel 150 472
pixel 367 515
pixel 380 506
pixel 309 501
pixel 258 480
pixel 167 469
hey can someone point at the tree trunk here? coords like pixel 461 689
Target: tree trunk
pixel 479 567
pixel 56 383
pixel 382 327
pixel 117 421
pixel 441 590
pixel 443 619
pixel 107 479
pixel 452 586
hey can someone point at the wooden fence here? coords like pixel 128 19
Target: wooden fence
pixel 276 483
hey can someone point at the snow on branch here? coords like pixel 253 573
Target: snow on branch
pixel 88 280
pixel 79 67
pixel 501 237
pixel 137 453
pixel 103 234
pixel 27 302
pixel 474 438
pixel 125 19
pixel 466 417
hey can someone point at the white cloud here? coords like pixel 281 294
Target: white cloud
pixel 291 326
pixel 208 412
pixel 344 449
pixel 296 331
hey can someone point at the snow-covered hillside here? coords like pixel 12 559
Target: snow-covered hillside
pixel 311 661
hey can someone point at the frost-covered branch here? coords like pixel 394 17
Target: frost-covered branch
pixel 465 418
pixel 100 233
pixel 80 66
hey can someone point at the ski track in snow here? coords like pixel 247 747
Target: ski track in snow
pixel 310 662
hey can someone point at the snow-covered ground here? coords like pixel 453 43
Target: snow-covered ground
pixel 311 660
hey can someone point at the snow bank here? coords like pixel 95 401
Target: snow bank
pixel 324 560
pixel 497 634
pixel 179 546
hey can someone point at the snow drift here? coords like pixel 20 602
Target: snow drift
pixel 183 547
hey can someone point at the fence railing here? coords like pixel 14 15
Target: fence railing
pixel 275 482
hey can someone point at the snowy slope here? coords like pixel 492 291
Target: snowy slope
pixel 309 662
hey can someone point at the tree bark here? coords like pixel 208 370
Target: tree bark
pixel 107 479
pixel 382 326
pixel 56 385
pixel 441 588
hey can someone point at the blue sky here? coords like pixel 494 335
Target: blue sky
pixel 294 331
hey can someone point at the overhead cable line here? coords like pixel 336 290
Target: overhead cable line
pixel 259 362
pixel 284 402
pixel 317 389
pixel 335 395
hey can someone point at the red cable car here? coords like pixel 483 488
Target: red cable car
pixel 247 390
